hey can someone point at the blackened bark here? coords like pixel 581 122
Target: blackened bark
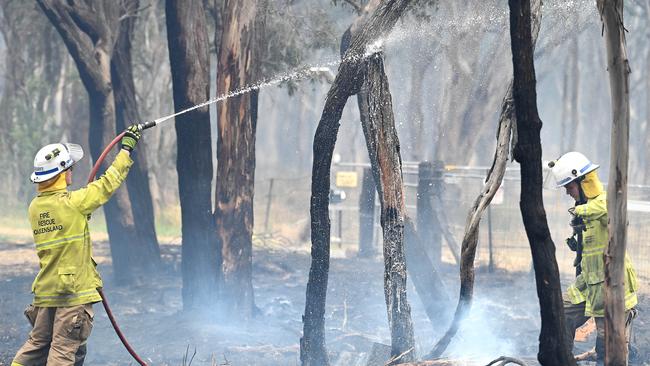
pixel 348 81
pixel 188 43
pixel 89 30
pixel 145 245
pixel 553 347
pixel 384 152
pixel 237 67
pixel 507 121
pixel 611 13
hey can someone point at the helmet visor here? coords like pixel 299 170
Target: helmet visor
pixel 76 152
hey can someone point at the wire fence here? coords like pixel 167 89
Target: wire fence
pixel 282 210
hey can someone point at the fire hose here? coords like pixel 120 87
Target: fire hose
pixel 91 178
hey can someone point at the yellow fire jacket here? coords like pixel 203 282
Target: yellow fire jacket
pixel 59 221
pixel 589 285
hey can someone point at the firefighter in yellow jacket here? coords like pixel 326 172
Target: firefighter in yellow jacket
pixel 66 285
pixel 585 297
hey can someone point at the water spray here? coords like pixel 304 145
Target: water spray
pixel 302 73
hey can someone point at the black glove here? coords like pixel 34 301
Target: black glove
pixel 572 243
pixel 131 137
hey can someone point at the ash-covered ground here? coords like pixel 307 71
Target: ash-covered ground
pixel 504 319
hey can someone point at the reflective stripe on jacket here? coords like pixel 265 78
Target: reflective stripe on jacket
pixel 59 220
pixel 589 285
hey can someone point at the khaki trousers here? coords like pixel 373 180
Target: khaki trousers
pixel 58 336
pixel 574 315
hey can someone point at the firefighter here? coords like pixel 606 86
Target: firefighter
pixel 585 297
pixel 66 285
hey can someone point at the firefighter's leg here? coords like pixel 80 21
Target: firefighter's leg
pixel 72 327
pixel 34 352
pixel 574 316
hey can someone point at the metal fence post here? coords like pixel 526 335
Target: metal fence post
pixel 366 215
pixel 429 185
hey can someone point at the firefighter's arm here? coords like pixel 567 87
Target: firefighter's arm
pixel 97 193
pixel 594 209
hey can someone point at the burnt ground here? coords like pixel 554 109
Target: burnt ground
pixel 504 319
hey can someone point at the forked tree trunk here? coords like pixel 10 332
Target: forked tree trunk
pixel 507 120
pixel 611 12
pixel 188 42
pixel 126 113
pixel 89 30
pixel 348 81
pixel 237 67
pixel 553 347
pixel 383 150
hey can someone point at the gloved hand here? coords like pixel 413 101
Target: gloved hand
pixel 572 243
pixel 131 137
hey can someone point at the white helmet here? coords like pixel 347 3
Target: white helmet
pixel 570 167
pixel 53 159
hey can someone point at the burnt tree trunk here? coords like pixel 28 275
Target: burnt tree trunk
pixel 384 152
pixel 188 43
pixel 347 83
pixel 553 347
pixel 507 120
pixel 611 13
pixel 237 67
pixel 89 30
pixel 126 113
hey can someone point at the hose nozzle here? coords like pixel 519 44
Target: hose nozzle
pixel 146 125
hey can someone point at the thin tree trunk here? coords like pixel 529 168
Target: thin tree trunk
pixel 347 83
pixel 237 67
pixel 611 12
pixel 553 347
pixel 507 120
pixel 144 246
pixel 470 239
pixel 188 44
pixel 383 150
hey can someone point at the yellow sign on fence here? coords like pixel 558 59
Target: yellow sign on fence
pixel 346 179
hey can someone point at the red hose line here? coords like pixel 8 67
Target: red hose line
pixel 119 333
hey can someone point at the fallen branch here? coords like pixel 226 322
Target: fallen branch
pixel 506 360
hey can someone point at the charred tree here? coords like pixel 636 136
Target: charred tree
pixel 384 152
pixel 126 113
pixel 237 67
pixel 347 83
pixel 507 120
pixel 553 347
pixel 89 30
pixel 188 43
pixel 611 13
